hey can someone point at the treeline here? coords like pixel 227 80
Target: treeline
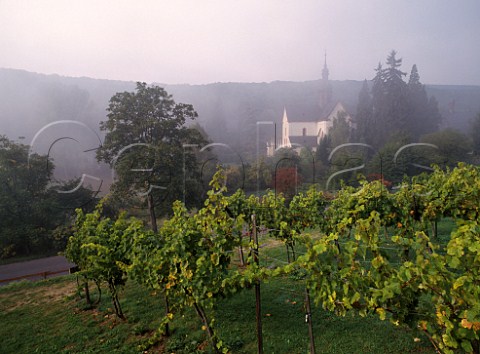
pixel 227 111
pixel 395 108
pixel 36 213
pixel 396 132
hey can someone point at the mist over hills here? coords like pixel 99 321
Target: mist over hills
pixel 228 112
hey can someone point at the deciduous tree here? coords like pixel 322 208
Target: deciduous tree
pixel 30 209
pixel 145 136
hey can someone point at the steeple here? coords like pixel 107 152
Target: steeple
pixel 325 87
pixel 325 69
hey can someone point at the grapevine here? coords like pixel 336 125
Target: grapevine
pixel 375 251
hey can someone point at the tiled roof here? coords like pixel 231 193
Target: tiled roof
pixel 307 141
pixel 308 113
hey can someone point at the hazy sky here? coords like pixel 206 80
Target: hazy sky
pixel 200 41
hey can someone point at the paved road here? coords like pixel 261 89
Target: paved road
pixel 21 269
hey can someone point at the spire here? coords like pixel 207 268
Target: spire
pixel 325 69
pixel 325 87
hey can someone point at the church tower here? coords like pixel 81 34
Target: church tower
pixel 325 71
pixel 325 87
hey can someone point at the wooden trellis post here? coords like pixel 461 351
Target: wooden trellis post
pixel 258 307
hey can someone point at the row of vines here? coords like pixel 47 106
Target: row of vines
pixel 369 250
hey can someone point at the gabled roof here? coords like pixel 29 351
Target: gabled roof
pixel 307 141
pixel 308 113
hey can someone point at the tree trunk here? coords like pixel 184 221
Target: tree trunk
pixel 288 252
pixel 97 283
pixel 240 255
pixel 292 246
pixel 211 334
pixel 87 293
pixel 151 209
pixel 167 311
pixel 115 301
pixel 434 230
pixel 308 318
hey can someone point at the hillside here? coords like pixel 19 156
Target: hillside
pixel 227 111
pixel 30 100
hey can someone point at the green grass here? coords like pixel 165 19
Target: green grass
pixel 46 317
pixel 444 230
pixel 285 330
pixel 49 317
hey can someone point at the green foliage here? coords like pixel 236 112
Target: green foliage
pixel 340 132
pixel 394 106
pixel 353 204
pixel 24 198
pixel 375 254
pixel 403 275
pixel 190 260
pixel 32 212
pixel 364 116
pixel 145 133
pixel 258 176
pixel 323 149
pixel 453 147
pixel 396 160
pixel 308 210
pixel 100 247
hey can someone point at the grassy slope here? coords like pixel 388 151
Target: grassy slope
pixel 46 317
pixel 49 317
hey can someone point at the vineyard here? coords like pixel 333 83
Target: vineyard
pixel 366 250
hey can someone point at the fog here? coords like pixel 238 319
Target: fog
pixel 194 42
pixel 343 132
pixel 38 109
pixel 238 63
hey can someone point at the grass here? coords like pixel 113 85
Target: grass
pixel 46 317
pixel 444 230
pixel 285 330
pixel 49 317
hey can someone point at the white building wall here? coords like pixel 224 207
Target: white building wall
pixel 285 130
pixel 318 129
pixel 297 128
pixel 323 128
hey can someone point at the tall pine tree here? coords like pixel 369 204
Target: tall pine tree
pixel 395 98
pixel 394 107
pixel 423 115
pixel 364 116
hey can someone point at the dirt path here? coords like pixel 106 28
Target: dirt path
pixel 57 264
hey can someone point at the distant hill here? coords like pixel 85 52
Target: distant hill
pixel 227 111
pixel 458 104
